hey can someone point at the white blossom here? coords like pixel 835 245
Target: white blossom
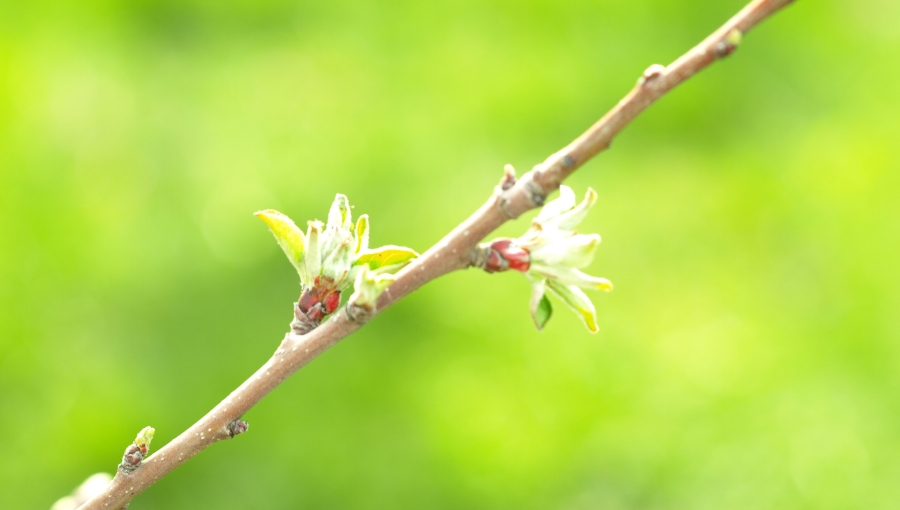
pixel 557 252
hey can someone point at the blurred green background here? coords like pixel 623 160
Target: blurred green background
pixel 747 359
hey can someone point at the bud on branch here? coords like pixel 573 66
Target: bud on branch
pixel 329 258
pixel 136 451
pixel 550 255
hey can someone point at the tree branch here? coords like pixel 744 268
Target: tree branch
pixel 510 200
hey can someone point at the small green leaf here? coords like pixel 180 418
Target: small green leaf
pixel 288 235
pixel 385 256
pixel 542 313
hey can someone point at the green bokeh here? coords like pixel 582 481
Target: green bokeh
pixel 747 359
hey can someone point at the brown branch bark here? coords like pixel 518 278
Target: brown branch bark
pixel 453 252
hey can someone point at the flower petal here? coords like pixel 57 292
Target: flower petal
pixel 571 219
pixel 564 202
pixel 586 281
pixel 576 300
pixel 288 235
pixel 570 276
pixel 566 250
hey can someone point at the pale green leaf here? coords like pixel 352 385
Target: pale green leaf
pixel 288 235
pixel 384 256
pixel 541 314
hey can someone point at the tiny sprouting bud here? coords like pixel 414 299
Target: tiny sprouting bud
pixel 551 254
pixel 729 44
pixel 237 427
pixel 509 178
pixel 329 257
pixel 143 439
pixel 137 451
